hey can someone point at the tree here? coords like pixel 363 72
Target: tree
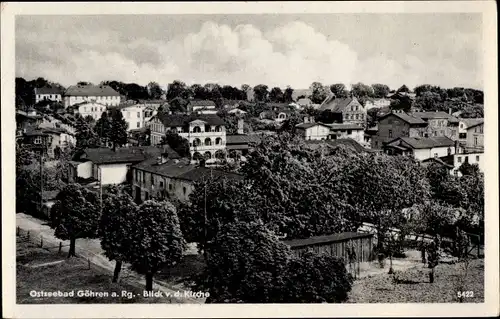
pixel 118 130
pixel 103 127
pixel 119 213
pixel 178 89
pixel 245 263
pixel 177 143
pixel 86 137
pixel 361 90
pixel 199 92
pixel 419 90
pixel 76 215
pixel 403 89
pixel 319 92
pixel 178 105
pixel 276 95
pixel 403 103
pixel 289 125
pixel 288 95
pixel 429 101
pixel 328 117
pixel 468 169
pixel 380 90
pixel 261 93
pixel 155 240
pixel 154 90
pixel 373 115
pixel 339 90
pixel 313 278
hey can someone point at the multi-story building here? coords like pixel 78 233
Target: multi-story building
pixel 397 124
pixel 475 136
pixel 92 109
pixel 134 116
pixel 352 111
pixel 168 177
pixel 347 130
pixel 311 130
pixel 422 148
pixel 440 124
pixel 48 94
pixel 206 133
pixel 467 157
pixel 101 94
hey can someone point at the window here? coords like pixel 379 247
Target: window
pixel 475 140
pixel 459 159
pixel 357 116
pixel 435 155
pixel 169 186
pixel 449 151
pixel 455 173
pixel 461 125
pixel 467 159
pixel 38 140
pixel 152 179
pixel 390 133
pixel 184 190
pixel 138 124
pixel 477 158
pixel 139 114
pixel 161 184
pixel 349 132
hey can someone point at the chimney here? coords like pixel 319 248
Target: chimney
pixel 241 126
pixel 162 159
pixel 449 111
pixel 306 119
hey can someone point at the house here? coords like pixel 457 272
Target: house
pixel 347 130
pixel 25 120
pixel 206 133
pixel 240 144
pixel 352 111
pixel 202 106
pixel 336 245
pixel 92 109
pixel 231 104
pixel 134 115
pixel 101 94
pixel 377 103
pixel 397 124
pixel 439 124
pixel 276 114
pixel 48 93
pixel 474 133
pixel 171 178
pixel 304 102
pixel 472 158
pixel 311 130
pixel 112 167
pixel 421 148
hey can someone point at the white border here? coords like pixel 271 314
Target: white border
pixel 491 305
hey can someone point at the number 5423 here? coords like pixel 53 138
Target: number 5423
pixel 465 294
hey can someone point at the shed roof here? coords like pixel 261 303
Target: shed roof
pixel 326 239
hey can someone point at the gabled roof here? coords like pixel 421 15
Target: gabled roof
pixel 47 90
pixel 345 126
pixel 326 239
pixel 91 90
pixel 132 154
pixel 241 139
pixel 435 115
pixel 472 122
pixel 201 103
pixel 425 142
pixel 176 120
pixel 335 104
pixel 405 117
pixel 310 124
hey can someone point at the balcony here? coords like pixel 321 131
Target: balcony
pixel 202 148
pixel 203 134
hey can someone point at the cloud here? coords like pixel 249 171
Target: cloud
pixel 291 54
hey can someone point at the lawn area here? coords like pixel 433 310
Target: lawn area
pixel 70 275
pixel 416 287
pixel 189 266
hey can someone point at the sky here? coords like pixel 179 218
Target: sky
pixel 442 49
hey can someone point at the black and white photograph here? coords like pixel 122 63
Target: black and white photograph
pixel 237 157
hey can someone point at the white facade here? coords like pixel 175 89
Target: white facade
pixel 93 109
pixel 316 132
pixel 204 140
pixel 84 170
pixel 377 103
pixel 49 97
pixel 426 153
pixel 104 100
pixel 134 116
pixel 471 158
pixel 356 134
pixel 111 173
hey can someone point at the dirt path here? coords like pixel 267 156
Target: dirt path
pixel 90 249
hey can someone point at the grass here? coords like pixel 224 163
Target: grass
pixel 413 285
pixel 189 266
pixel 71 275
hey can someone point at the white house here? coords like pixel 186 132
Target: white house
pixel 471 158
pixel 421 148
pixel 379 103
pixel 134 115
pixel 101 94
pixel 112 167
pixel 47 94
pixel 92 109
pixel 206 133
pixel 311 130
pixel 348 130
pixel 475 135
pixel 202 107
